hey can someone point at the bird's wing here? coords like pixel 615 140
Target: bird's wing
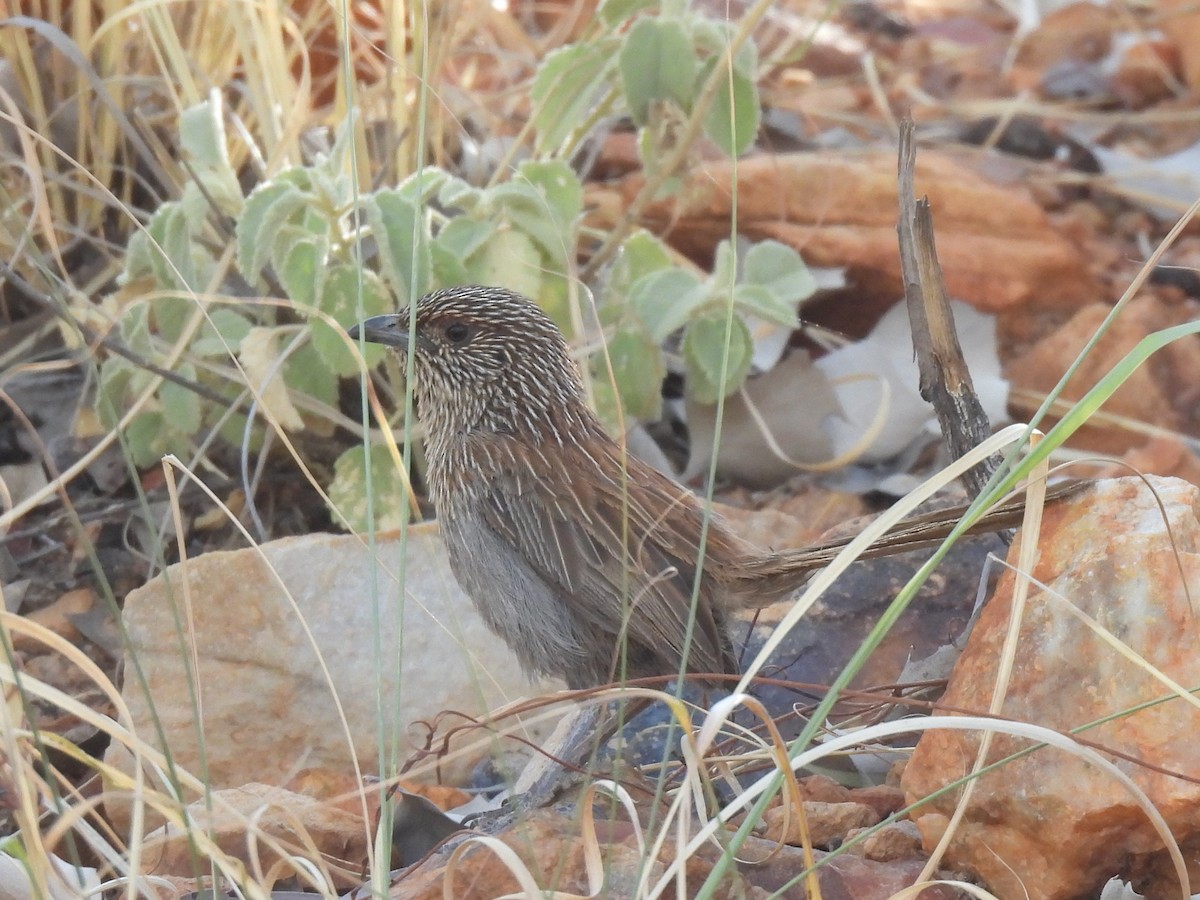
pixel 572 536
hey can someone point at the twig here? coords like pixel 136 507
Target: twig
pixel 93 338
pixel 945 380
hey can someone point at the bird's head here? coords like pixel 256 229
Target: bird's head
pixel 485 359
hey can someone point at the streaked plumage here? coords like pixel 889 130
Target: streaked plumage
pixel 567 545
pixel 580 556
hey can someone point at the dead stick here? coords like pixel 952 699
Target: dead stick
pixel 945 380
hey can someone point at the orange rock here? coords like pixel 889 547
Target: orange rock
pixel 546 841
pixel 823 789
pixel 268 709
pixel 1146 72
pixel 1153 393
pixel 1180 22
pixel 882 798
pixel 245 822
pixel 57 618
pixel 1079 31
pixel 1050 826
pixel 825 823
pixel 997 247
pixel 1161 455
pixel 899 840
pixel 549 844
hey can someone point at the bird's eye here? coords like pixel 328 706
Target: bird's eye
pixel 457 332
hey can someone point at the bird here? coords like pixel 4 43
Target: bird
pixel 593 566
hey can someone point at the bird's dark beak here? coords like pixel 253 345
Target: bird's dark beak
pixel 390 330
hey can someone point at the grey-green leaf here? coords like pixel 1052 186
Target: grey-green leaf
pixel 424 183
pixel 348 491
pixel 657 63
pixel 180 405
pixel 112 396
pixel 221 333
pixel 665 300
pixel 567 85
pixel 306 372
pixel 300 264
pixel 202 138
pixel 723 273
pixel 510 259
pixel 759 301
pixel 779 269
pixel 348 294
pixel 638 371
pixel 525 207
pixel 171 249
pixel 560 190
pixel 267 208
pixel 708 378
pixel 614 12
pixel 462 236
pixel 458 194
pixel 732 120
pixel 402 234
pixel 641 254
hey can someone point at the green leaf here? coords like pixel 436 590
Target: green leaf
pixel 732 120
pixel 202 139
pixel 170 314
pixel 657 63
pixel 425 183
pixel 568 84
pixel 348 295
pixel 665 300
pixel 348 491
pixel 333 190
pixel 268 207
pixel 462 236
pixel 180 406
pixel 222 323
pixel 448 267
pixel 704 352
pixel 759 301
pixel 723 271
pixel 526 208
pixel 149 439
pixel 135 328
pixel 510 260
pixel 112 395
pixel 614 12
pixel 779 269
pixel 202 135
pixel 145 437
pixel 403 237
pixel 297 176
pixel 171 249
pixel 231 426
pixel 306 372
pixel 561 192
pixel 556 296
pixel 712 38
pixel 544 200
pixel 340 154
pixel 301 265
pixel 641 254
pixel 638 371
pixel 137 258
pixel 458 194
